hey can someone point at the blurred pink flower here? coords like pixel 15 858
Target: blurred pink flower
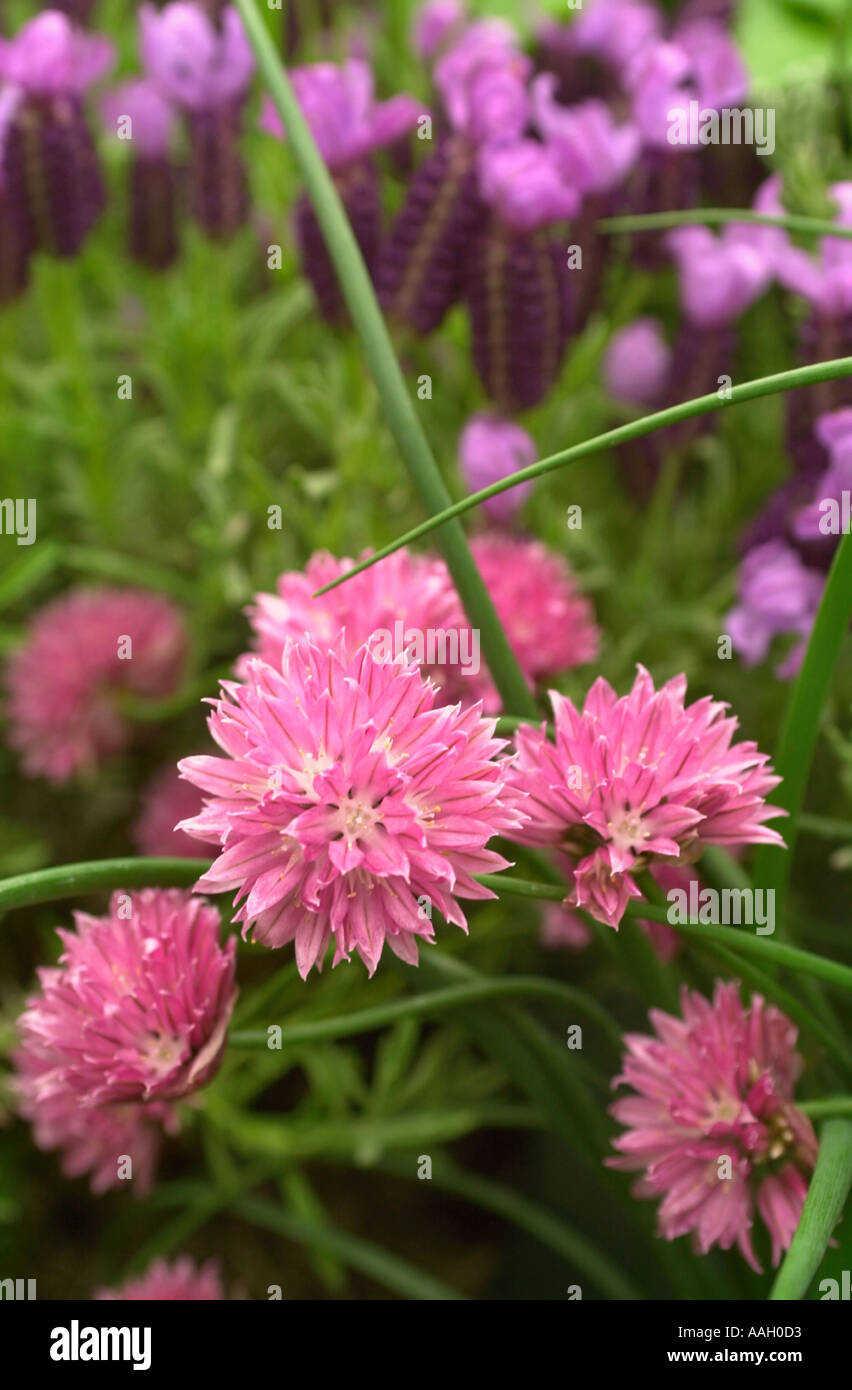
pixel 81 650
pixel 713 1126
pixel 52 57
pixel 592 153
pixel 181 1281
pixel 348 806
pixel 150 114
pixel 634 779
pixel 166 800
pixel 138 1007
pixel 482 80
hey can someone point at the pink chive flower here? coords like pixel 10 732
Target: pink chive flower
pixel 635 779
pixel 489 450
pixel 550 626
pixel 713 1126
pixel 348 806
pixel 138 1008
pixel 415 589
pixel 81 651
pixel 637 363
pixel 562 926
pixel 97 1141
pixel 166 800
pixel 181 1281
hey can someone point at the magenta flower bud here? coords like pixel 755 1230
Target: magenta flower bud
pixel 489 450
pixel 637 363
pixel 51 174
pixel 139 114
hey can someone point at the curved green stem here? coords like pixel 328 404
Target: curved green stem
pixel 634 429
pixel 395 395
pixel 829 1105
pixel 827 1191
pixel 720 217
pixel 101 875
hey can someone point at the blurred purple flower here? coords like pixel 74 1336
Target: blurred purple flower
pixel 593 152
pixel 150 115
pixel 50 57
pixel 482 81
pixel 489 450
pixel 196 65
pixel 522 182
pixel 434 23
pixel 718 276
pixel 778 595
pixel 636 366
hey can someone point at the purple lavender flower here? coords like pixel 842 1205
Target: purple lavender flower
pixel 594 156
pixel 637 363
pixel 481 82
pixel 51 175
pixel 348 124
pixel 490 449
pixel 518 282
pixel 778 595
pixel 139 113
pixel 830 504
pixel 435 23
pixel 205 71
pixel 15 248
pixel 718 276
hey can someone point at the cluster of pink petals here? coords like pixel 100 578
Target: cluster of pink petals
pixel 61 684
pixel 348 805
pixel 717 1084
pixel 634 779
pixel 195 64
pixel 181 1281
pixel 550 626
pixel 166 800
pixel 52 57
pixel 562 926
pixel 135 1012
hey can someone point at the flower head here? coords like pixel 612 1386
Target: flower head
pixel 181 1281
pixel 615 30
pixel 523 183
pixel 634 779
pixel 150 115
pixel 490 449
pixel 196 65
pixel 719 276
pixel 593 154
pixel 166 800
pixel 482 81
pixel 778 594
pixel 713 1126
pixel 81 650
pixel 348 805
pixel 138 1008
pixel 435 22
pixel 637 363
pixel 339 105
pixel 51 57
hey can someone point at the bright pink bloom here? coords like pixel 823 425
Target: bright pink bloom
pixel 162 1282
pixel 81 650
pixel 348 806
pixel 550 626
pixel 415 589
pixel 633 779
pixel 167 799
pixel 713 1125
pixel 138 1007
pixel 563 926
